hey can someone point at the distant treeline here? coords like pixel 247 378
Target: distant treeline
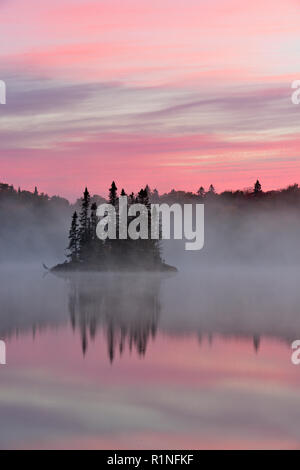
pixel 39 199
pixel 241 224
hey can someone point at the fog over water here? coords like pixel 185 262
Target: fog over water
pixel 232 301
pixel 196 359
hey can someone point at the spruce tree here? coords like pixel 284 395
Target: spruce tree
pixel 150 248
pixel 257 188
pixel 155 196
pixel 84 229
pixel 93 221
pixel 201 192
pixel 112 196
pixel 212 189
pixel 131 199
pixel 73 239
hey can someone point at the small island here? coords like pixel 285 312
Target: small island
pixel 86 252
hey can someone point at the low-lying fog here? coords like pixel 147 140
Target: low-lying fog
pixel 230 301
pixel 243 282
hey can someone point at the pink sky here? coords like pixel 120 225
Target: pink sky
pixel 174 93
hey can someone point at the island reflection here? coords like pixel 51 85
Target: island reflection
pixel 130 309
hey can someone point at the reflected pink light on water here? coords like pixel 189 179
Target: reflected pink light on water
pixel 182 394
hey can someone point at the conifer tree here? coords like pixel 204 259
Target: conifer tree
pixel 212 189
pixel 93 220
pixel 150 247
pixel 131 199
pixel 155 196
pixel 112 196
pixel 84 220
pixel 201 192
pixel 257 187
pixel 73 239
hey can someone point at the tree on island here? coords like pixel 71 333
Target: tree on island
pixel 113 197
pixel 73 239
pixel 87 251
pixel 84 225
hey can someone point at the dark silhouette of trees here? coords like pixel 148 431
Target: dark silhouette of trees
pixel 201 192
pixel 113 197
pixel 34 224
pixel 73 239
pixel 84 225
pixel 87 251
pixel 93 220
pixel 126 321
pixel 257 188
pixel 154 196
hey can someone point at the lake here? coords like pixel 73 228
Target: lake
pixel 196 360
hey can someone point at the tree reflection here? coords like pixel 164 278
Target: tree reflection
pixel 125 308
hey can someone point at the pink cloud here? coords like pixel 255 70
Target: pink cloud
pixel 184 162
pixel 211 47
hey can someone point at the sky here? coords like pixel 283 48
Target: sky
pixel 173 93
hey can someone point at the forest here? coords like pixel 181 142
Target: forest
pixel 242 226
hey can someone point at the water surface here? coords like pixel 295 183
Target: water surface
pixel 121 361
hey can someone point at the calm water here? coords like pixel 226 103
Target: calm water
pixel 197 360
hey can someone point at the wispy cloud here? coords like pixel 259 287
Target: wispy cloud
pixel 137 81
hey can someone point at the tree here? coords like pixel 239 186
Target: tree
pixel 93 224
pixel 212 189
pixel 155 196
pixel 112 195
pixel 148 190
pixel 201 192
pixel 150 248
pixel 84 221
pixel 257 188
pixel 73 239
pixel 131 199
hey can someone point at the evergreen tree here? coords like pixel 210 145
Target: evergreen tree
pixel 73 239
pixel 149 248
pixel 84 220
pixel 257 188
pixel 131 199
pixel 148 190
pixel 212 189
pixel 112 196
pixel 93 221
pixel 155 196
pixel 201 192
